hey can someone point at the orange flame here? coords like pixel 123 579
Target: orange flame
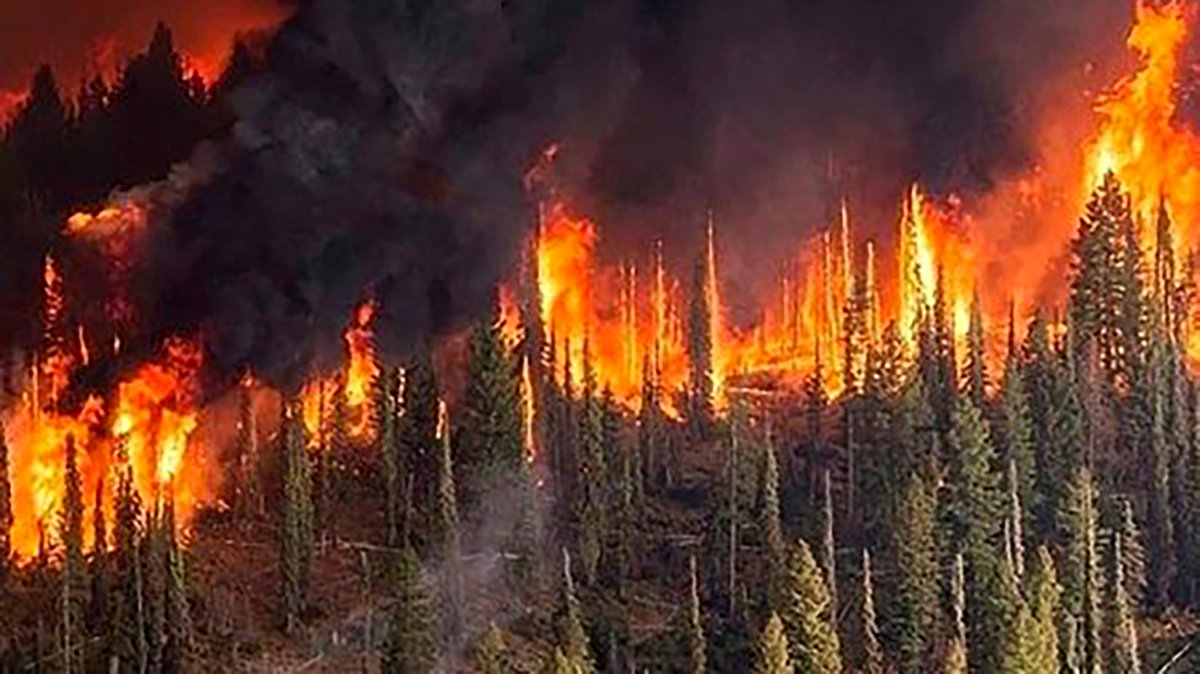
pixel 361 369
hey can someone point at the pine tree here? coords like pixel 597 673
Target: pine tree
pixel 828 546
pixel 491 655
pixel 129 622
pixel 296 530
pixel 1158 451
pixel 74 581
pixel 572 639
pixel 1133 556
pixel 179 645
pixel 773 650
pixel 559 663
pixel 1044 593
pixel 650 420
pixel 409 647
pixel 448 531
pixel 807 617
pixel 98 609
pixel 1098 291
pixel 6 513
pixel 387 385
pixel 773 524
pixel 526 569
pixel 1016 438
pixel 154 587
pixel 1080 573
pixel 700 353
pixel 695 626
pixel 914 607
pixel 1009 622
pixel 490 435
pixel 418 445
pixel 870 653
pixel 591 506
pixel 1119 637
pixel 975 503
pixel 975 374
pixel 955 658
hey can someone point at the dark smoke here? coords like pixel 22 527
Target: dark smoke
pixel 382 153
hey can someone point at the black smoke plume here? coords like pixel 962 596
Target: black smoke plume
pixel 381 154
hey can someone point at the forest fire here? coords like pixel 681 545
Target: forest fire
pixel 313 330
pixel 1137 137
pixel 630 320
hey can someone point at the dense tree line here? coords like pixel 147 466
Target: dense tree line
pixel 68 145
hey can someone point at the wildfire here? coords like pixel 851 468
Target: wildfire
pixel 579 300
pixel 1139 137
pixel 361 369
pixel 151 418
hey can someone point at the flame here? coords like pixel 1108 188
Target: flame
pixel 583 302
pixel 153 415
pixel 361 369
pixel 1139 138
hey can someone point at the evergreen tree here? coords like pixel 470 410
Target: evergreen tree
pixel 1133 556
pixel 1044 593
pixel 296 530
pixel 419 448
pixel 491 655
pixel 955 658
pixel 695 626
pixel 1080 571
pixel 772 656
pixel 650 432
pixel 1098 298
pixel 828 549
pixel 129 622
pixel 409 647
pixel 98 609
pixel 1158 452
pixel 490 445
pixel 559 663
pixel 1008 622
pixel 700 344
pixel 154 586
pixel 1013 524
pixel 776 553
pixel 975 374
pixel 974 507
pixel 74 581
pixel 1119 637
pixel 157 112
pixel 914 606
pixel 591 506
pixel 36 136
pixel 808 618
pixel 1016 439
pixel 179 645
pixel 387 385
pixel 450 543
pixel 572 639
pixel 526 569
pixel 870 653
